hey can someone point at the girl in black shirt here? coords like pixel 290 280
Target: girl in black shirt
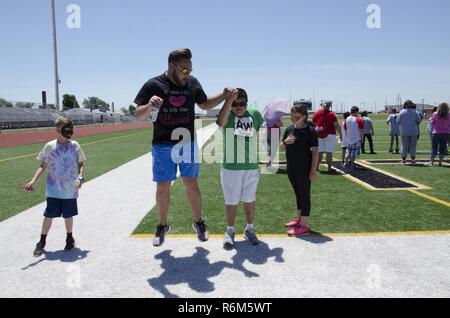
pixel 301 143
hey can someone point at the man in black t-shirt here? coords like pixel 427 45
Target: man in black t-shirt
pixel 172 96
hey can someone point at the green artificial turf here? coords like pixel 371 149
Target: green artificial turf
pixel 103 152
pixel 338 204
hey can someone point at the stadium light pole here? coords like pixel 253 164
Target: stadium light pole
pixel 55 57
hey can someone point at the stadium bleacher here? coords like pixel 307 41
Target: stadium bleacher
pixel 16 118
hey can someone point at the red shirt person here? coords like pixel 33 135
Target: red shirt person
pixel 326 126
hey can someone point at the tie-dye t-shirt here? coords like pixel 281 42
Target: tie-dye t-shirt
pixel 62 164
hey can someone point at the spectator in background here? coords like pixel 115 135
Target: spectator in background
pixel 421 118
pixel 409 120
pixel 394 130
pixel 344 141
pixel 430 125
pixel 440 122
pixel 368 132
pixel 273 148
pixel 354 128
pixel 326 127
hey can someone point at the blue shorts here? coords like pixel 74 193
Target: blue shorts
pixel 166 159
pixel 56 208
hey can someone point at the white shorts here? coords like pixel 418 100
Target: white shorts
pixel 327 144
pixel 239 185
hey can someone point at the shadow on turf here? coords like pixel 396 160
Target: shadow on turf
pixel 196 270
pixel 72 256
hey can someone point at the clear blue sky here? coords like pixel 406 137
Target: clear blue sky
pixel 270 48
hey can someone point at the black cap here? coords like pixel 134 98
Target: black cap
pixel 242 94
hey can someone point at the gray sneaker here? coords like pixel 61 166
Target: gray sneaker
pixel 39 250
pixel 250 236
pixel 228 240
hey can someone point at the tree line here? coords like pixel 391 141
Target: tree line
pixel 70 102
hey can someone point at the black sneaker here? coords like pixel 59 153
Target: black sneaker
pixel 39 249
pixel 161 231
pixel 251 237
pixel 200 228
pixel 70 244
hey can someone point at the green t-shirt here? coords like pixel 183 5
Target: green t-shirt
pixel 240 141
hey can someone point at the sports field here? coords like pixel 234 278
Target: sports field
pixel 104 152
pixel 338 204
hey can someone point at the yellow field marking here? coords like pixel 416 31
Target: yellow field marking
pixel 20 157
pixel 113 138
pixel 381 162
pixel 407 233
pixel 86 144
pixel 436 200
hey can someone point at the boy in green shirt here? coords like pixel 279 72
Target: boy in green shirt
pixel 240 169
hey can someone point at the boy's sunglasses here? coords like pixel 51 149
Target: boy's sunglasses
pixel 67 131
pixel 241 104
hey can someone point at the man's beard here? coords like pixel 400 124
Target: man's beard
pixel 177 80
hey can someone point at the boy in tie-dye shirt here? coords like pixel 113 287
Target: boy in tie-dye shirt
pixel 64 159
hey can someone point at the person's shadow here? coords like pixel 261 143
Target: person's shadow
pixel 71 256
pixel 195 270
pixel 255 254
pixel 316 238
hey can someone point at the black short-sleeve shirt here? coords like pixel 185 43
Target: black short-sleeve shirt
pixel 298 155
pixel 178 109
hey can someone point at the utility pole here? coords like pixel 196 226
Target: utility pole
pixel 55 57
pixel 314 100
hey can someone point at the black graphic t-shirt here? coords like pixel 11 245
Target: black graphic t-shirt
pixel 178 109
pixel 298 155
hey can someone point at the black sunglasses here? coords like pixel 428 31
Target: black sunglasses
pixel 241 104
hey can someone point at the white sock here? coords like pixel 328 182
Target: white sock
pixel 249 227
pixel 230 229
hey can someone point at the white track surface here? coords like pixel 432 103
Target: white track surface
pixel 108 263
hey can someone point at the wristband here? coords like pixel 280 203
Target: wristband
pixel 81 179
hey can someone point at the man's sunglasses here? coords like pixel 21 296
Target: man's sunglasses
pixel 241 104
pixel 185 71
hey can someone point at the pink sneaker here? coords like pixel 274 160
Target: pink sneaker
pixel 403 162
pixel 299 231
pixel 413 162
pixel 293 223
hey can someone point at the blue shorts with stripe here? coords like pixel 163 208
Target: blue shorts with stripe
pixel 167 158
